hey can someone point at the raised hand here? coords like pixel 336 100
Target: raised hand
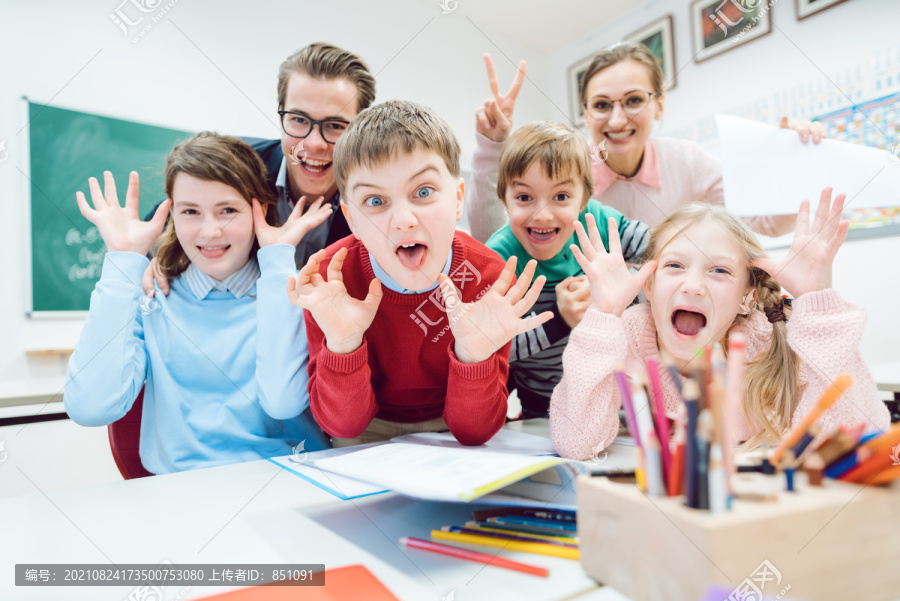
pixel 482 327
pixel 613 287
pixel 805 129
pixel 494 119
pixel 297 225
pixel 807 265
pixel 342 318
pixel 121 227
pixel 573 297
pixel 153 272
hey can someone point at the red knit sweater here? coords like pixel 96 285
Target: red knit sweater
pixel 406 371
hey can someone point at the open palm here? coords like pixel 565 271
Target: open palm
pixel 121 227
pixel 807 265
pixel 342 318
pixel 297 225
pixel 613 287
pixel 482 327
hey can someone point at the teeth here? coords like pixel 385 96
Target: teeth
pixel 407 245
pixel 313 163
pixel 618 135
pixel 537 231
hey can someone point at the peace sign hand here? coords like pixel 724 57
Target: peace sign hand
pixel 613 287
pixel 494 119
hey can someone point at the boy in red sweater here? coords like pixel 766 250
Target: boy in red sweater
pixel 409 321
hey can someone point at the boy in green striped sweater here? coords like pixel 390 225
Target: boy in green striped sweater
pixel 545 184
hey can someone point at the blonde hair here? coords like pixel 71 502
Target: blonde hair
pixel 215 158
pixel 771 387
pixel 560 150
pixel 385 130
pixel 622 52
pixel 324 61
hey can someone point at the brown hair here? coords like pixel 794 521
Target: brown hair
pixel 770 389
pixel 387 129
pixel 622 52
pixel 560 150
pixel 324 61
pixel 215 158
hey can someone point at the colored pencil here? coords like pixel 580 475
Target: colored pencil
pixel 735 368
pixel 653 461
pixel 507 536
pixel 536 547
pixel 627 403
pixel 476 556
pixel 528 521
pixel 529 529
pixel 704 437
pixel 642 416
pixel 881 457
pixel 718 491
pixel 483 526
pixel 561 515
pixel 888 475
pixel 662 422
pixel 676 474
pixel 691 392
pixel 828 398
pixel 854 457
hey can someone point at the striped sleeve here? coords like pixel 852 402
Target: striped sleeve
pixel 634 236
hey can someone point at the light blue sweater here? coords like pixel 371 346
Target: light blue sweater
pixel 226 377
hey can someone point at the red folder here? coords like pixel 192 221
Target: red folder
pixel 341 584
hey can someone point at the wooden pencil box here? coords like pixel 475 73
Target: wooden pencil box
pixel 835 542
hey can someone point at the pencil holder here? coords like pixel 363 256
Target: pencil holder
pixel 833 542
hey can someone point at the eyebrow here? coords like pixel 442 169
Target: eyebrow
pixel 625 94
pixel 329 118
pixel 559 184
pixel 429 167
pixel 188 203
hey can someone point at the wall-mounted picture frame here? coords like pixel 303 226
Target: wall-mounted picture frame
pixel 575 75
pixel 659 37
pixel 807 8
pixel 718 26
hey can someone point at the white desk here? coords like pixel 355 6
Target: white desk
pixel 887 377
pixel 257 513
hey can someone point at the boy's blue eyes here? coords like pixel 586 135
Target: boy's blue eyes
pixel 374 201
pixel 377 201
pixel 424 192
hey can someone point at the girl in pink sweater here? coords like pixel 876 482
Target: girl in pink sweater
pixel 706 276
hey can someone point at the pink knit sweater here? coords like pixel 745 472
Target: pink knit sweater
pixel 674 173
pixel 824 331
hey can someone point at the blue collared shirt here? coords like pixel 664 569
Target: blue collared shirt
pixel 391 284
pixel 223 364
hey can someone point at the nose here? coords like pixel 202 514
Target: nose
pixel 617 118
pixel 402 216
pixel 693 284
pixel 314 142
pixel 543 213
pixel 210 229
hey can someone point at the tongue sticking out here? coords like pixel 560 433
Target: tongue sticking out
pixel 688 322
pixel 412 257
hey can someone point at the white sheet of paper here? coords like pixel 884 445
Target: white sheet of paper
pixel 767 170
pixel 436 473
pixel 340 486
pixel 505 441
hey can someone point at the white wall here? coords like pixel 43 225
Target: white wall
pixel 831 43
pixel 211 65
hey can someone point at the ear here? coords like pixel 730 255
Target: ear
pixel 748 303
pixel 648 286
pixel 348 215
pixel 660 102
pixel 460 198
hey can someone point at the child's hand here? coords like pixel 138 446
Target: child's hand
pixel 573 297
pixel 805 129
pixel 153 272
pixel 482 327
pixel 121 227
pixel 807 266
pixel 494 120
pixel 343 319
pixel 613 287
pixel 297 225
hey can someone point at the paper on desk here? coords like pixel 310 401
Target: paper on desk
pixel 767 170
pixel 340 486
pixel 505 441
pixel 436 473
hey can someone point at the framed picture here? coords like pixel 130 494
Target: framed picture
pixel 576 74
pixel 659 38
pixel 720 25
pixel 806 8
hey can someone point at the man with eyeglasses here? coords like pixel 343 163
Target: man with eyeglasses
pixel 321 88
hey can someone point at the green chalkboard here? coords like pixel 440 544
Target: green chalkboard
pixel 67 147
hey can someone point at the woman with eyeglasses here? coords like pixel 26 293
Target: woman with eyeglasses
pixel 646 179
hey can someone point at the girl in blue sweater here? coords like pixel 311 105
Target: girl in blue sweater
pixel 222 357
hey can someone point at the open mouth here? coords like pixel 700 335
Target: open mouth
pixel 541 235
pixel 618 136
pixel 411 254
pixel 213 251
pixel 313 166
pixel 688 323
